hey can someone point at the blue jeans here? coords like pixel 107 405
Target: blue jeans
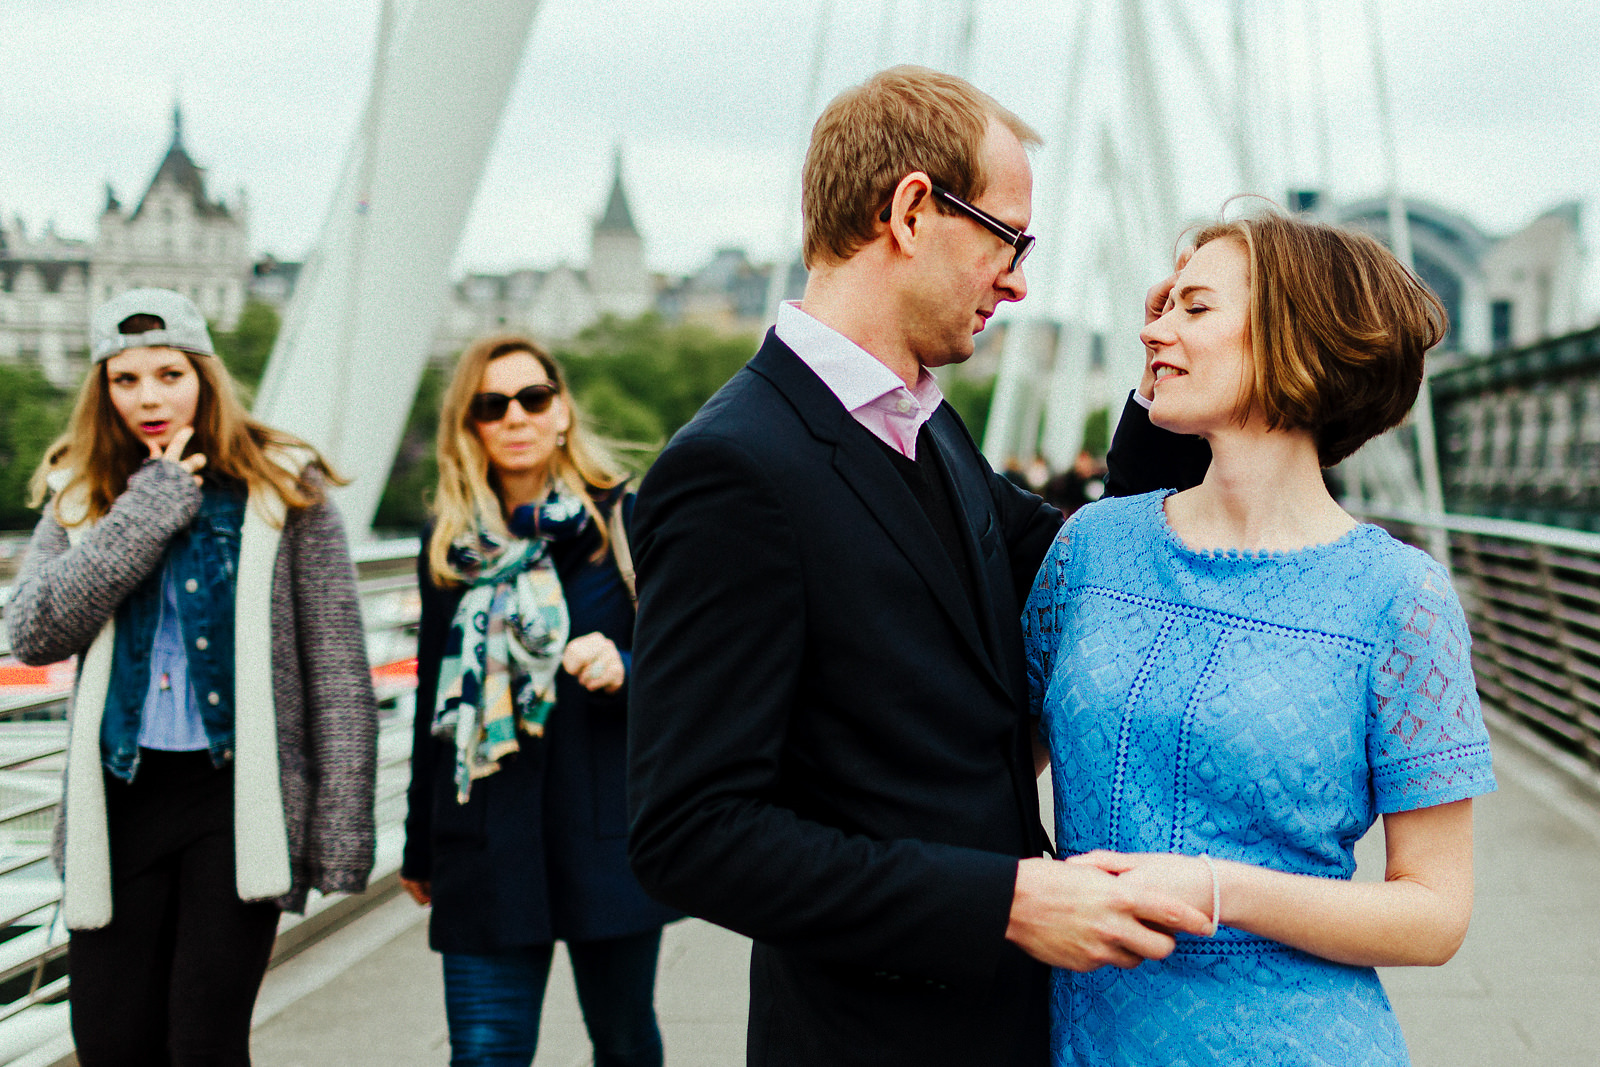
pixel 492 1003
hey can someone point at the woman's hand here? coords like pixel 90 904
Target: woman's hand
pixel 421 892
pixel 174 453
pixel 1157 302
pixel 595 662
pixel 1184 877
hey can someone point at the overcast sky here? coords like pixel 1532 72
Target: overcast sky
pixel 1497 107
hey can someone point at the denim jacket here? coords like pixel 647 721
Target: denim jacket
pixel 204 559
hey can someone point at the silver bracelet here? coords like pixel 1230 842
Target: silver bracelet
pixel 1216 893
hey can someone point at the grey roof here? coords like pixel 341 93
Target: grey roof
pixel 617 219
pixel 179 169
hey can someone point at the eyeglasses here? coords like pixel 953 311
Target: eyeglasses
pixel 492 407
pixel 1022 242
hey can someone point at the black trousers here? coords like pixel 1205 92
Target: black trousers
pixel 173 979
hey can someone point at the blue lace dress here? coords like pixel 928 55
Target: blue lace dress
pixel 1263 708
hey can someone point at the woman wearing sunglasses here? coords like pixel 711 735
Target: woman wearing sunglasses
pixel 517 828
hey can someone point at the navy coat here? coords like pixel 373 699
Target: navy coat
pixel 539 851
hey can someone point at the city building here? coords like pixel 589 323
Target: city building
pixel 556 304
pixel 1500 292
pixel 176 237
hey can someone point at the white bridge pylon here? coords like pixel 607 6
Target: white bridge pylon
pixel 346 365
pixel 1170 110
pixel 1110 218
pixel 1154 94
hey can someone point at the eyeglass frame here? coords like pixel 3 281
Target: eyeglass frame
pixel 1021 241
pixel 545 389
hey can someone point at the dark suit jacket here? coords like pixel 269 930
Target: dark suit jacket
pixel 828 748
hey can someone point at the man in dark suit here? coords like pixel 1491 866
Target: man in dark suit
pixel 829 747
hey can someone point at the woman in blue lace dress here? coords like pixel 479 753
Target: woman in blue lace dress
pixel 1236 680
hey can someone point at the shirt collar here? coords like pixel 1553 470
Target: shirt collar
pixel 853 374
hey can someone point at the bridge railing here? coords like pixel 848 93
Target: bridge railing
pixel 33 979
pixel 1532 598
pixel 1531 594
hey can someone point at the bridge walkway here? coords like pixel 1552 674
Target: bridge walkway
pixel 1523 991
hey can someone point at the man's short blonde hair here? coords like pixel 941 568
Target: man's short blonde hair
pixel 869 137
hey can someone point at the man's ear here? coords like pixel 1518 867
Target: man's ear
pixel 902 216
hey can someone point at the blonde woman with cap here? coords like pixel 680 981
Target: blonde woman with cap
pixel 222 730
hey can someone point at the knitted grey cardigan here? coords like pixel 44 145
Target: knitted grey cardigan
pixel 305 717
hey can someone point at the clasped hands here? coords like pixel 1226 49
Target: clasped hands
pixel 1111 908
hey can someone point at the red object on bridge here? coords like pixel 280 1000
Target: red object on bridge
pixel 58 677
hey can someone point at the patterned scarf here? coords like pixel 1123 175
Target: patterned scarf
pixel 498 676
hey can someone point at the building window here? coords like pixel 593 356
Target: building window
pixel 1499 324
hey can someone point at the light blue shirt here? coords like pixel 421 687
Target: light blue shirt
pixel 170 720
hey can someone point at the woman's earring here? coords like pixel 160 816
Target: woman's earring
pixel 561 440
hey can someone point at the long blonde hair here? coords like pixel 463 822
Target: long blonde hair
pixel 466 494
pixel 98 453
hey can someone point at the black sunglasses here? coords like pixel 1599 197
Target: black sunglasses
pixel 492 407
pixel 1022 242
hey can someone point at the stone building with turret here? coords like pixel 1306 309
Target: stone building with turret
pixel 176 237
pixel 554 304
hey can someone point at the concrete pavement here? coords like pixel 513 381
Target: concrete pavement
pixel 1524 990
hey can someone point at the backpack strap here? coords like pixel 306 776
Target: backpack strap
pixel 621 552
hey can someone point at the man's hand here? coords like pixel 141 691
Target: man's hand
pixel 1157 302
pixel 419 891
pixel 1185 877
pixel 1081 918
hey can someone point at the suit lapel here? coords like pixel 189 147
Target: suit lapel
pixel 872 477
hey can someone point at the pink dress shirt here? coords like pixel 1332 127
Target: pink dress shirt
pixel 872 393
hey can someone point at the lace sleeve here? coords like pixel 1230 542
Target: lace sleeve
pixel 1426 742
pixel 1041 616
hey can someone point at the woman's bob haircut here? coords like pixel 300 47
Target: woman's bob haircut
pixel 1338 330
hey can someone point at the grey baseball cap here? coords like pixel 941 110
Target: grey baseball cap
pixel 185 326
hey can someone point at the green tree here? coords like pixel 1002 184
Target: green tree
pixel 639 380
pixel 245 348
pixel 32 413
pixel 971 397
pixel 403 508
pixel 1097 432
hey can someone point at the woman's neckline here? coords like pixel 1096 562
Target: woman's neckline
pixel 1250 555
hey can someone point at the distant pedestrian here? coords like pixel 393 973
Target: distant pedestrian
pixel 517 832
pixel 1082 483
pixel 222 745
pixel 1236 680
